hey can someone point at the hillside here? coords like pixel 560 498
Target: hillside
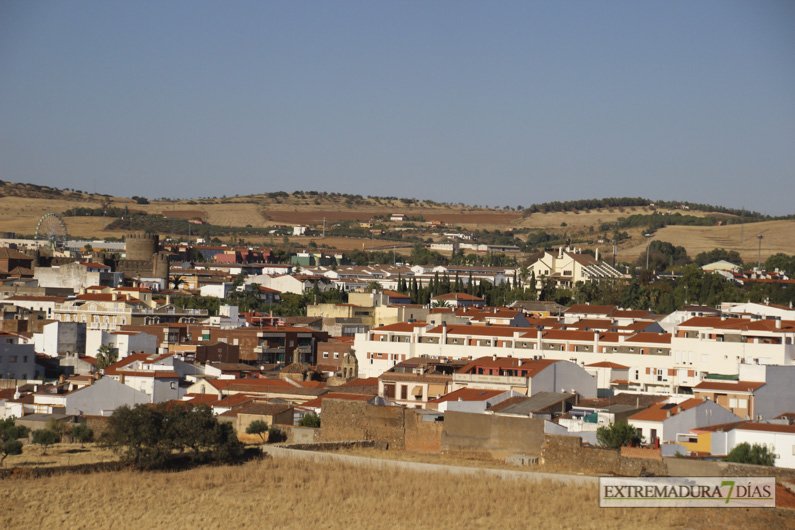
pixel 22 205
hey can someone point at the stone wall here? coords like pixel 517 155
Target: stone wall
pixel 566 454
pixel 686 467
pixel 422 436
pixel 641 452
pixel 487 436
pixel 355 420
pixel 300 435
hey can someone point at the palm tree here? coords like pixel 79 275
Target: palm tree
pixel 177 281
pixel 106 355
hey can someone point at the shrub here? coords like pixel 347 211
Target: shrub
pixel 618 435
pixel 82 433
pixel 745 453
pixel 276 435
pixel 310 420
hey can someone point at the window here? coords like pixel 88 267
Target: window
pixel 325 355
pixel 732 403
pixel 173 385
pixel 337 355
pixel 404 392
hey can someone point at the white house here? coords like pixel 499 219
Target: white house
pixel 778 439
pixel 663 421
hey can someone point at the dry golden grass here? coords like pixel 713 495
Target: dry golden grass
pixel 286 493
pixel 61 454
pixel 21 214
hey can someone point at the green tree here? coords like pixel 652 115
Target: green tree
pixel 9 447
pixel 10 433
pixel 745 453
pixel 276 435
pixel 258 427
pixel 106 355
pixel 82 433
pixel 310 420
pixel 177 281
pixel 45 437
pixel 618 435
pixel 145 436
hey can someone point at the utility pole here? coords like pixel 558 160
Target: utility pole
pixel 759 253
pixel 648 244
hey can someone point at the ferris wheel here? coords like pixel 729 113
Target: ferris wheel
pixel 51 228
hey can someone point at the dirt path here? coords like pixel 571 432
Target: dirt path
pixel 281 452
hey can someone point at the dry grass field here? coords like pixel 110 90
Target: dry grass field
pixel 60 454
pixel 288 493
pixel 21 208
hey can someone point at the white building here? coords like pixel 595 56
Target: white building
pixel 777 438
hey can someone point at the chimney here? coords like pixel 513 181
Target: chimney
pixel 494 357
pixel 597 254
pixel 519 362
pixel 61 378
pixel 778 322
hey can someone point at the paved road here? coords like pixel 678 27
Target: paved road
pixel 315 456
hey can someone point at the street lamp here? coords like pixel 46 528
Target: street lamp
pixel 648 244
pixel 759 254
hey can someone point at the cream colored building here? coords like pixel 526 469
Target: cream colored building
pixel 569 266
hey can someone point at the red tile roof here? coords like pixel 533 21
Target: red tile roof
pixel 729 386
pixel 767 427
pixel 656 338
pixel 532 366
pixel 607 364
pixel 458 296
pixel 659 412
pixel 591 309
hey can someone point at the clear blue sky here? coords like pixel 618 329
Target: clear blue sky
pixel 490 103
